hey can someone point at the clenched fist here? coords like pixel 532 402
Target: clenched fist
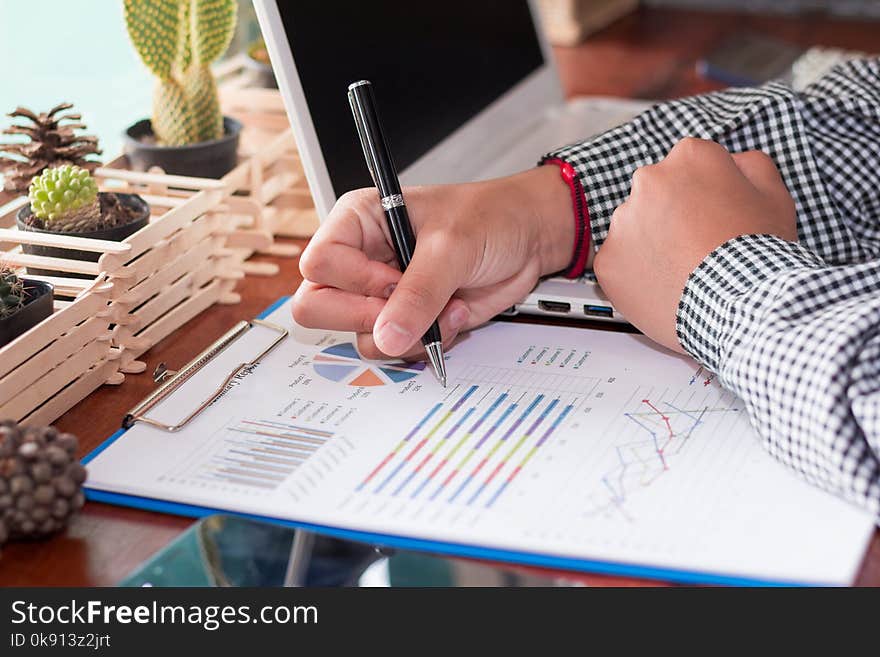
pixel 678 211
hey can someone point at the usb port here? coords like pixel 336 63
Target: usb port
pixel 554 306
pixel 598 311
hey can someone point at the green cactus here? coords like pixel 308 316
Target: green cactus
pixel 11 293
pixel 177 40
pixel 66 199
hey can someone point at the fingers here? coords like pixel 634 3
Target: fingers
pixel 348 275
pixel 754 168
pixel 348 268
pixel 317 306
pixel 454 318
pixel 421 294
pixel 642 179
pixel 761 171
pixel 350 250
pixel 701 158
pixel 758 168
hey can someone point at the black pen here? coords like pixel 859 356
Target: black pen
pixel 384 173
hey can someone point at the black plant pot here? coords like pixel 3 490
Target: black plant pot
pixel 207 159
pixel 115 234
pixel 37 307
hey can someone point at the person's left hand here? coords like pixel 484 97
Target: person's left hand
pixel 678 212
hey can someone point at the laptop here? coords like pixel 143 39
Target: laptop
pixel 476 96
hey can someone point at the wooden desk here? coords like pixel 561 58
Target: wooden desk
pixel 649 54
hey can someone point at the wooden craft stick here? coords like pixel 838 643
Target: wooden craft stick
pixel 62 241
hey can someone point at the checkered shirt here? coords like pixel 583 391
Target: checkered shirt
pixel 793 329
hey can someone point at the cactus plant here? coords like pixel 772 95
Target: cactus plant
pixel 12 297
pixel 66 199
pixel 177 40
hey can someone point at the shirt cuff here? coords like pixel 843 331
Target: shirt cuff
pixel 731 270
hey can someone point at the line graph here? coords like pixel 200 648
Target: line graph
pixel 701 373
pixel 653 430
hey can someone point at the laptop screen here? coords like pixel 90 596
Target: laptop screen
pixel 433 65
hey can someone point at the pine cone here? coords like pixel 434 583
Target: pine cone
pixel 40 481
pixel 51 144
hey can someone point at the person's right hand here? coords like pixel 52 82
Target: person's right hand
pixel 480 248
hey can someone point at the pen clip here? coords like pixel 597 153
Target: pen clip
pixel 362 135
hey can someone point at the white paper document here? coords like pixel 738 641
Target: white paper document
pixel 565 442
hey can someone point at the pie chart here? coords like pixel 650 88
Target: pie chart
pixel 342 363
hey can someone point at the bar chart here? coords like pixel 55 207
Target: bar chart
pixel 469 449
pixel 255 454
pixel 547 444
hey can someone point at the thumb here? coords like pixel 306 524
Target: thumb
pixel 422 292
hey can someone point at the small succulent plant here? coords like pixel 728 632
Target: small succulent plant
pixel 11 293
pixel 40 481
pixel 66 199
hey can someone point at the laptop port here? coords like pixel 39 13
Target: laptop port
pixel 598 311
pixel 554 306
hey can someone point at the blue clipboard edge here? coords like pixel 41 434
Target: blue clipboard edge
pixel 423 545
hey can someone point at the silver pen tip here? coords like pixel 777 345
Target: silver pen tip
pixel 435 355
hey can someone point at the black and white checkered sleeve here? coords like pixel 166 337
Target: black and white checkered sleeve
pixel 799 341
pixel 817 138
pixel 793 329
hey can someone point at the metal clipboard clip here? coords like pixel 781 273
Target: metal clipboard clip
pixel 173 382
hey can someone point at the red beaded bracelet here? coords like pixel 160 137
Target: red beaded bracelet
pixel 581 250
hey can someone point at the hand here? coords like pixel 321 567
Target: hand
pixel 480 248
pixel 678 212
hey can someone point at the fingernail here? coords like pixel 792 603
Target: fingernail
pixel 393 339
pixel 459 317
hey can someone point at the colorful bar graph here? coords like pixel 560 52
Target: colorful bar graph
pixel 525 414
pixel 531 430
pixel 262 453
pixel 559 419
pixel 459 452
pixel 400 445
pixel 467 457
pixel 470 391
pixel 433 452
pixel 467 436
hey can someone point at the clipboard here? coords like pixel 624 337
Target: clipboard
pixel 462 550
pixel 171 381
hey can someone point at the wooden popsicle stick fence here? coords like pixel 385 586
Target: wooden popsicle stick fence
pixel 267 195
pixel 276 180
pixel 51 367
pixel 141 289
pixel 190 256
